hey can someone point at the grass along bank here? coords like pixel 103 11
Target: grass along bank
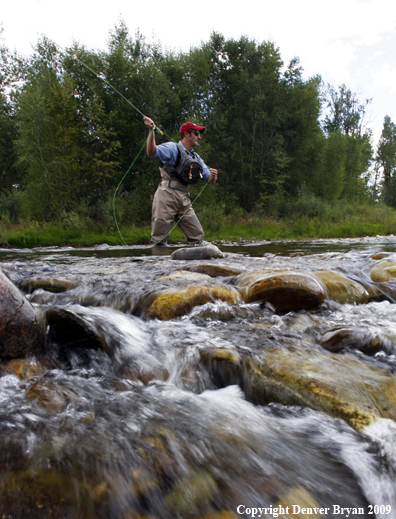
pixel 363 221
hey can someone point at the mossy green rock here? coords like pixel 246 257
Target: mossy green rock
pixel 285 290
pixel 192 494
pixel 342 386
pixel 383 271
pixel 178 301
pixel 340 288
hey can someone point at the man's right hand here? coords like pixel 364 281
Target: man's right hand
pixel 148 122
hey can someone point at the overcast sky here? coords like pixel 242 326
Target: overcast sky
pixel 345 41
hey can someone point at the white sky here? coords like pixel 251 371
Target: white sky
pixel 345 41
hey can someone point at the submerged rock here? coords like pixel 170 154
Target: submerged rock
pixel 215 270
pixel 193 492
pixel 340 288
pixel 21 326
pixel 183 275
pixel 179 301
pixel 197 253
pixel 301 499
pixel 342 386
pixel 44 493
pixel 24 369
pixel 285 290
pixel 355 338
pixel 50 395
pixel 54 285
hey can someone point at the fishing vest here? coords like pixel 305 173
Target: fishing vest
pixel 187 169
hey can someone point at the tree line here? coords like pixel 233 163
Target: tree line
pixel 67 138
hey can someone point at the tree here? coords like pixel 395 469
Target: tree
pixel 10 69
pixel 346 116
pixel 386 160
pixel 247 117
pixel 344 111
pixel 328 181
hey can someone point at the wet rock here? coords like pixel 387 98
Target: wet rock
pixel 383 271
pixel 341 386
pixel 39 493
pixel 179 301
pixel 340 288
pixel 284 290
pixel 42 297
pixel 67 328
pixel 192 494
pixel 215 270
pixel 379 255
pixel 355 338
pixel 197 253
pixel 54 285
pixel 183 275
pixel 223 365
pixel 50 395
pixel 22 329
pixel 24 368
pixel 300 499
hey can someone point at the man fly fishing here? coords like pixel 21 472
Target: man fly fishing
pixel 180 166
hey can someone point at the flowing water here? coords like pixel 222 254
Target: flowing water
pixel 142 429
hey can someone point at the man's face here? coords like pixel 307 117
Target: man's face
pixel 192 137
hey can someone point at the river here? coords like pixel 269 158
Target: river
pixel 143 429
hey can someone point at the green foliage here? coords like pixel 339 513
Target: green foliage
pixel 329 180
pixel 10 204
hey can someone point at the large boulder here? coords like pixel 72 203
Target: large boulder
pixel 285 290
pixel 22 329
pixel 342 386
pixel 178 301
pixel 340 288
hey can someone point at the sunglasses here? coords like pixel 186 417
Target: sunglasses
pixel 195 132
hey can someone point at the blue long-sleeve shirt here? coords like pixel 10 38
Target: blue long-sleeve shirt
pixel 167 153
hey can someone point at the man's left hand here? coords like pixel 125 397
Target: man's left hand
pixel 213 176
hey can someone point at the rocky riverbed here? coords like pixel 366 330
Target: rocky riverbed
pixel 141 384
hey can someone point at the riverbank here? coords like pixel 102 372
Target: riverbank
pixel 78 234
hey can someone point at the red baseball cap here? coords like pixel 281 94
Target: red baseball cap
pixel 190 126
